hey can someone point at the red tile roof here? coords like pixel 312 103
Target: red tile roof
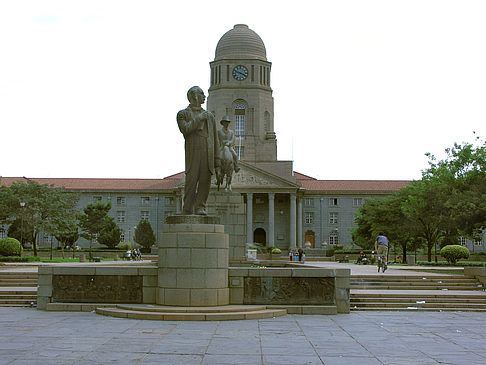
pixel 308 183
pixel 166 183
pixel 362 186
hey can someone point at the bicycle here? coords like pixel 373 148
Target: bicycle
pixel 381 264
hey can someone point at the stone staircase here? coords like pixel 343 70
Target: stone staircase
pixel 437 292
pixel 18 289
pixel 165 313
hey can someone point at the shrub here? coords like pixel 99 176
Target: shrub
pixel 452 253
pixel 276 251
pixel 125 246
pixel 10 247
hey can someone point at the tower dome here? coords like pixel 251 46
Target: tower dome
pixel 240 42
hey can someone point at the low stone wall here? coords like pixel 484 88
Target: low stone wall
pixel 477 272
pixel 96 284
pixel 292 286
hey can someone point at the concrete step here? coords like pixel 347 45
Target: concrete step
pixel 27 302
pixel 416 309
pixel 16 283
pixel 223 313
pixel 417 299
pixel 418 303
pixel 416 287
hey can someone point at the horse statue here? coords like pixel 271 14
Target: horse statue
pixel 226 169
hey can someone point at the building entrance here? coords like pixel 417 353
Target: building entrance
pixel 310 237
pixel 260 236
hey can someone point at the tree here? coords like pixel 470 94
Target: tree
pixel 144 235
pixel 21 231
pixel 110 234
pixel 67 236
pixel 95 223
pixel 384 214
pixel 46 207
pixel 464 172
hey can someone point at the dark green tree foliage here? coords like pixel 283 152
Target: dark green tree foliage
pixel 21 231
pixel 464 172
pixel 449 200
pixel 68 236
pixel 110 234
pixel 95 223
pixel 46 208
pixel 144 235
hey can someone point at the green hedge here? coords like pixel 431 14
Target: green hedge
pixel 19 259
pixel 352 251
pixel 445 263
pixel 10 247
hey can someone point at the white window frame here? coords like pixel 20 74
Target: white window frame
pixel 121 216
pixel 308 217
pixel 333 218
pixel 333 202
pixel 334 238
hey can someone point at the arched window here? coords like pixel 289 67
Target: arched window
pixel 240 111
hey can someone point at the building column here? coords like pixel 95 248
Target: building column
pixel 178 203
pixel 271 219
pixel 322 223
pixel 249 217
pixel 299 223
pixel 293 212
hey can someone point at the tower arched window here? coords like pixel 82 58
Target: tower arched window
pixel 240 112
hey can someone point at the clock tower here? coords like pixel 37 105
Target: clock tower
pixel 240 88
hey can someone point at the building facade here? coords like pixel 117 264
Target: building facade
pixel 270 203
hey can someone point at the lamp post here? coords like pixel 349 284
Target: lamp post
pixel 22 205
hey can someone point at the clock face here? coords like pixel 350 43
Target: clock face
pixel 240 72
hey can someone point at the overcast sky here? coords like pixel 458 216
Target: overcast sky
pixel 362 89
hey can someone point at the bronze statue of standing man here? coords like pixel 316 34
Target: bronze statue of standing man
pixel 202 151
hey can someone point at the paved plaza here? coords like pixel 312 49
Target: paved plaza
pixel 30 336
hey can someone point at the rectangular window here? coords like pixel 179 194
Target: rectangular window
pixel 462 241
pixel 309 202
pixel 333 218
pixel 145 200
pixel 239 125
pixel 122 237
pixel 121 200
pixel 240 152
pixel 308 217
pixel 144 215
pixel 3 233
pixel 333 202
pixel 478 243
pixel 333 238
pixel 357 202
pixel 120 216
pixel 97 198
pixel 169 201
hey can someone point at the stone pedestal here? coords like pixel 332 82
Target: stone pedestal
pixel 193 262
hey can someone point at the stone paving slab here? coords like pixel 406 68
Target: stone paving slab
pixel 29 336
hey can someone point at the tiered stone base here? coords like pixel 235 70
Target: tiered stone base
pixel 193 262
pixel 167 313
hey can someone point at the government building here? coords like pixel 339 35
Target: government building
pixel 270 203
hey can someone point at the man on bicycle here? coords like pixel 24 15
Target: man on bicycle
pixel 381 248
